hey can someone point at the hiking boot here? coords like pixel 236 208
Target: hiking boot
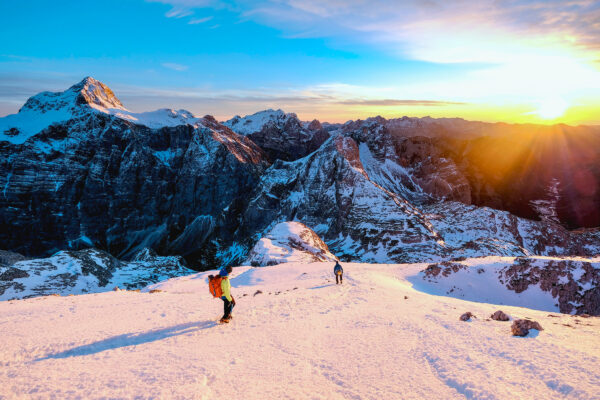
pixel 223 320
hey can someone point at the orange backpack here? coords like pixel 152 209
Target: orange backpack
pixel 214 285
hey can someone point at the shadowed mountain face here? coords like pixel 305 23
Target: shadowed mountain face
pixel 550 173
pixel 77 169
pixel 97 179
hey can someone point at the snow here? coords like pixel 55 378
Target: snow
pixel 479 282
pixel 165 117
pixel 547 208
pixel 289 242
pixel 302 337
pixel 255 122
pixel 67 273
pixel 47 108
pixel 30 122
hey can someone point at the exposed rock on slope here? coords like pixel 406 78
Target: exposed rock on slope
pixel 568 285
pixel 98 179
pixel 282 136
pixel 78 170
pixel 536 172
pixel 85 271
pixel 289 242
pixel 330 191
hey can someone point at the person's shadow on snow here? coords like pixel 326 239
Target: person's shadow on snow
pixel 131 339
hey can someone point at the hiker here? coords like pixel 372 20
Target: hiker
pixel 228 301
pixel 338 271
pixel 220 287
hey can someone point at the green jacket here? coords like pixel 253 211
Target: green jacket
pixel 226 288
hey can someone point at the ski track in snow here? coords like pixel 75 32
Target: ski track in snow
pixel 303 337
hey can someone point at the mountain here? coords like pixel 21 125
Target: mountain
pixel 80 101
pixel 281 136
pixel 100 179
pixel 533 171
pixel 84 271
pixel 289 242
pixel 90 173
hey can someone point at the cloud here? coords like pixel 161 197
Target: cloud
pixel 394 102
pixel 178 13
pixel 434 30
pixel 174 66
pixel 199 20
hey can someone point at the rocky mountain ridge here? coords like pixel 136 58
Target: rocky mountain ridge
pixel 190 186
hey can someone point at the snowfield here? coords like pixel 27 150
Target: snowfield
pixel 294 335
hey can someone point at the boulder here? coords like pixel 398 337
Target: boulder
pixel 521 327
pixel 499 316
pixel 467 316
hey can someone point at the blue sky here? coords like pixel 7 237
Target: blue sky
pixel 335 60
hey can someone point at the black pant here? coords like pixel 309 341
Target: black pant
pixel 336 278
pixel 227 307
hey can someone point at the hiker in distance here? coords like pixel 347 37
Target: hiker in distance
pixel 338 271
pixel 220 286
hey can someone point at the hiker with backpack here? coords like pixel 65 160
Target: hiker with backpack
pixel 220 287
pixel 338 271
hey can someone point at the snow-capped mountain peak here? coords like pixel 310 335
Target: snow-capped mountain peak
pixel 96 94
pixel 80 100
pixel 255 122
pixel 89 92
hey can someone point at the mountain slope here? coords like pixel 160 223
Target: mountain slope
pixel 289 242
pixel 282 136
pixel 85 271
pixel 108 178
pixel 302 337
pixel 82 99
pixel 100 180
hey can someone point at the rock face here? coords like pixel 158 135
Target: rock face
pixel 568 285
pixel 281 136
pixel 84 271
pixel 289 242
pixel 101 180
pixel 8 258
pixel 537 172
pixel 521 327
pixel 79 170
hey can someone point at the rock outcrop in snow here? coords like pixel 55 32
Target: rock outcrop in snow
pixel 289 242
pixel 568 285
pixel 85 271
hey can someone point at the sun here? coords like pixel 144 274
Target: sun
pixel 552 107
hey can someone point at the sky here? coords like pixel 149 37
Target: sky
pixel 491 60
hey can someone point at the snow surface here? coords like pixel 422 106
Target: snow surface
pixel 482 281
pixel 72 273
pixel 48 108
pixel 255 122
pixel 303 337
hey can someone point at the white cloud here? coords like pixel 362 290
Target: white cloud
pixel 178 13
pixel 174 66
pixel 199 20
